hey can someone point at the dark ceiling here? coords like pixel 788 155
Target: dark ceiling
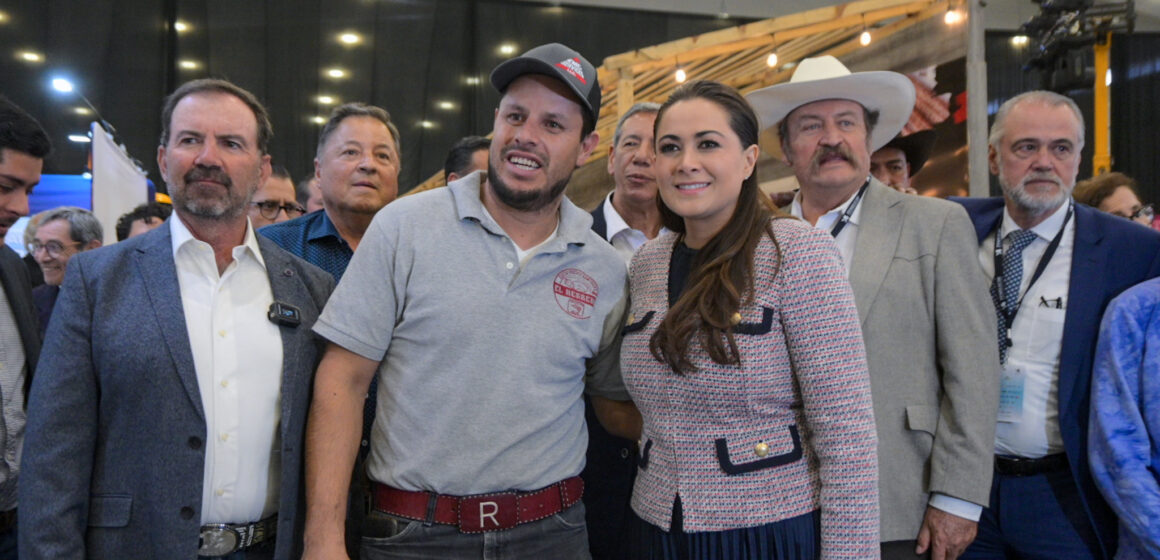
pixel 425 61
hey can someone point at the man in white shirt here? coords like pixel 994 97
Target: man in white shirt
pixel 924 317
pixel 1057 268
pixel 167 420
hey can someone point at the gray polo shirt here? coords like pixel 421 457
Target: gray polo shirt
pixel 483 360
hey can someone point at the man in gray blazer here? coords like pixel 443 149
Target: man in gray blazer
pixel 925 312
pixel 166 419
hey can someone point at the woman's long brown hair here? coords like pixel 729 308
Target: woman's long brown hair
pixel 722 271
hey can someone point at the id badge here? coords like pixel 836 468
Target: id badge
pixel 1011 384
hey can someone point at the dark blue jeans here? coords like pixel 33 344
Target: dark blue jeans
pixel 559 537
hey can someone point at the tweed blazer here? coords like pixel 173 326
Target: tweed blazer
pixel 114 452
pixel 801 393
pixel 929 327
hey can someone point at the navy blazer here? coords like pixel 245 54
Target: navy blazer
pixel 114 452
pixel 17 287
pixel 1111 254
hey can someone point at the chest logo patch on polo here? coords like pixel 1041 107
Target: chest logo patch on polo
pixel 575 292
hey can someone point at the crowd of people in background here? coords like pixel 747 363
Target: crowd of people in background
pixel 693 369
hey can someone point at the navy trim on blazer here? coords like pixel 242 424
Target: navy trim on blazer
pixel 633 327
pixel 768 462
pixel 757 328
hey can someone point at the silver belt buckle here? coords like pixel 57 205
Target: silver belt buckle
pixel 218 539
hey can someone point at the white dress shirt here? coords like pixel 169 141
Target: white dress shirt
pixel 1029 392
pixel 848 237
pixel 237 353
pixel 621 235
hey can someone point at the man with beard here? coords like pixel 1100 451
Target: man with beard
pixel 1056 270
pixel 485 309
pixel 166 419
pixel 23 147
pixel 924 317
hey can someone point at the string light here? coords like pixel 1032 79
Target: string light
pixel 865 37
pixel 771 60
pixel 681 75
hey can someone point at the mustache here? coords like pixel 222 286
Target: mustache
pixel 1041 176
pixel 827 151
pixel 214 174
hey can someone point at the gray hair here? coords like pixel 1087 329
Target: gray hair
pixel 1049 98
pixel 346 110
pixel 83 226
pixel 642 107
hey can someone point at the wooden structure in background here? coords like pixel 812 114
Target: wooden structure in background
pixel 736 56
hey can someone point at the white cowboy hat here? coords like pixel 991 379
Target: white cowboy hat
pixel 825 77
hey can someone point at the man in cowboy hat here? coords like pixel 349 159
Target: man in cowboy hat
pixel 929 336
pixel 902 158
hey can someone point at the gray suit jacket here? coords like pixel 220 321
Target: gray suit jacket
pixel 115 444
pixel 929 327
pixel 18 287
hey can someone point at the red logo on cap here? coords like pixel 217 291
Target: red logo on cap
pixel 573 67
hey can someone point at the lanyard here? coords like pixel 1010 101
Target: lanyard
pixel 838 227
pixel 1008 312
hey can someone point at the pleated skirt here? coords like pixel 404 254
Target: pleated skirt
pixel 796 538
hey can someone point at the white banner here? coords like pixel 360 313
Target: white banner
pixel 118 184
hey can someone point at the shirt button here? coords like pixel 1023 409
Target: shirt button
pixel 510 266
pixel 222 333
pixel 761 449
pixel 220 492
pixel 224 437
pixel 187 512
pixel 225 383
pixel 194 442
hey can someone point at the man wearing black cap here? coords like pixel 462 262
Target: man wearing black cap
pixel 486 310
pixel 902 158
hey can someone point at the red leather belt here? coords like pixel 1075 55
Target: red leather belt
pixel 482 512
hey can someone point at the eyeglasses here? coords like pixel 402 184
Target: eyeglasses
pixel 54 248
pixel 1145 212
pixel 269 209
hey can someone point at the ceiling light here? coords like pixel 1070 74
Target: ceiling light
pixel 336 73
pixel 349 38
pixel 864 38
pixel 771 60
pixel 1108 77
pixel 30 56
pixel 681 75
pixel 4 17
pixel 507 49
pixel 427 124
pixel 952 17
pixel 181 26
pixel 85 111
pixel 189 64
pixel 62 85
pixel 325 100
pixel 80 138
pixel 446 105
pixel 471 80
pixel 1019 40
pixel 317 120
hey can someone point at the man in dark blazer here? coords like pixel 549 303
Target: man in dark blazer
pixel 1044 503
pixel 23 147
pixel 922 308
pixel 627 218
pixel 166 420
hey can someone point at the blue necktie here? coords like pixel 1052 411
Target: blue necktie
pixel 1012 277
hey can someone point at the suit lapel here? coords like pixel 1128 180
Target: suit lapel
pixel 1085 294
pixel 158 273
pixel 879 229
pixel 288 288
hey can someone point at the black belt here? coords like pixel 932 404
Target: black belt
pixel 1019 466
pixel 220 539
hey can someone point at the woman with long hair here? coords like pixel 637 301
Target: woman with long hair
pixel 744 354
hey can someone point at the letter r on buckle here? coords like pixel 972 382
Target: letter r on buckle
pixel 488 512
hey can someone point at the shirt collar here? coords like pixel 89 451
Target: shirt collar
pixel 1047 229
pixel 612 219
pixel 182 237
pixel 574 226
pixel 322 227
pixel 828 219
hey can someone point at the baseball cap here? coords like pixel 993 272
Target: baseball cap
pixel 556 61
